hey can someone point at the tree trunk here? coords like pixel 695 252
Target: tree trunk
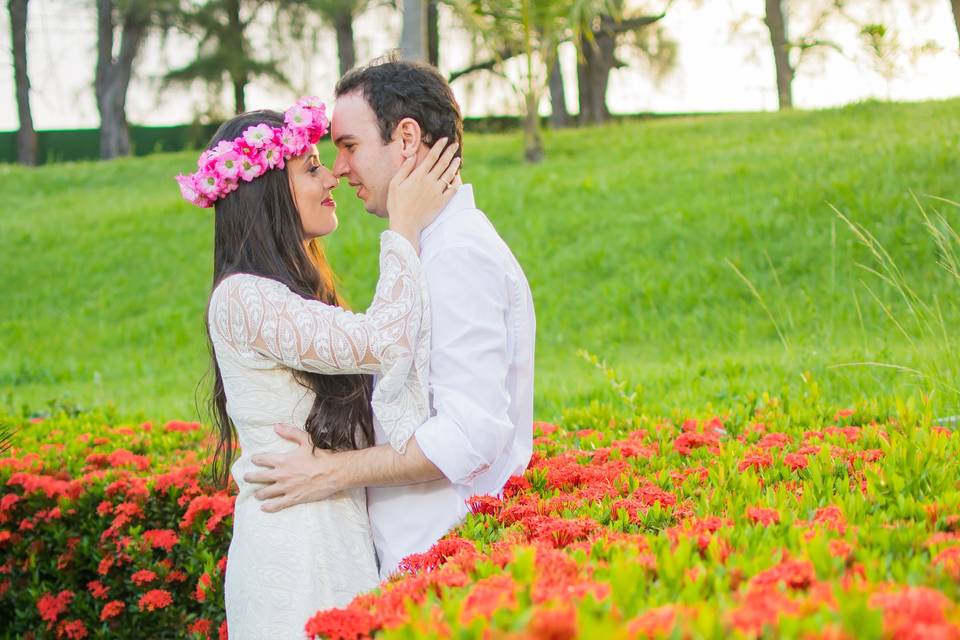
pixel 346 49
pixel 777 25
pixel 26 136
pixel 433 33
pixel 413 40
pixel 532 140
pixel 559 116
pixel 239 91
pixel 956 15
pixel 593 74
pixel 238 74
pixel 113 76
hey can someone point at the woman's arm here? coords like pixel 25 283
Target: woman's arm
pixel 256 315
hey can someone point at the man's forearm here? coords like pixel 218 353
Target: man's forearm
pixel 382 466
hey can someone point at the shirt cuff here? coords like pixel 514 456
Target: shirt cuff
pixel 450 451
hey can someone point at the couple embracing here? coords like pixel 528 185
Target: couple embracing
pixel 361 435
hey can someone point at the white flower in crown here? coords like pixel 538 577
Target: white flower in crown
pixel 258 135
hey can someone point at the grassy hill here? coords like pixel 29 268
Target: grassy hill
pixel 627 234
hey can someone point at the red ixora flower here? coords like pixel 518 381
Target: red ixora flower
pixel 437 555
pixel 341 624
pixel 98 589
pixel 203 585
pixel 756 460
pixel 488 595
pixel 181 426
pixel 761 515
pixel 220 505
pixel 795 461
pixel 655 623
pixel 201 626
pixel 915 612
pixel 142 577
pixel 949 559
pixel 489 505
pixel 687 441
pixel 51 606
pixel 155 599
pixel 161 538
pixel 72 630
pixel 112 609
pixel 553 624
pixel 795 574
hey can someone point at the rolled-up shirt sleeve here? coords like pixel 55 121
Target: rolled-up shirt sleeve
pixel 469 363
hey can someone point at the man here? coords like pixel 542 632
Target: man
pixel 483 327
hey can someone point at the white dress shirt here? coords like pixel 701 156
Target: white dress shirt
pixel 481 382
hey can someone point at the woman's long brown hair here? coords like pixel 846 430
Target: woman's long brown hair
pixel 258 231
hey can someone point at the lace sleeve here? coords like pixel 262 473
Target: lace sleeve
pixel 257 316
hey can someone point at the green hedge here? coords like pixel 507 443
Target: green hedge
pixel 84 144
pixel 59 145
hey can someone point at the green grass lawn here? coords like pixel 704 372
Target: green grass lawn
pixel 625 233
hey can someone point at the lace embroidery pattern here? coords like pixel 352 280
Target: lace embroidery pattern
pixel 260 318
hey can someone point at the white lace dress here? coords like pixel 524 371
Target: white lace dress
pixel 284 567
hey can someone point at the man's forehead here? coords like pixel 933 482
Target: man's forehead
pixel 352 116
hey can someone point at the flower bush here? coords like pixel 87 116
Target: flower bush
pixel 786 520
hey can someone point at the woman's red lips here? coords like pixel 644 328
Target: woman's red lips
pixel 329 202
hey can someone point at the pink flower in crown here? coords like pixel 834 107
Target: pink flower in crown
pixel 228 187
pixel 223 147
pixel 208 185
pixel 251 168
pixel 258 135
pixel 311 101
pixel 228 164
pixel 273 157
pixel 299 116
pixel 189 188
pixel 244 148
pixel 294 141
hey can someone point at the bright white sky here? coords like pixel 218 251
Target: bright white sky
pixel 724 65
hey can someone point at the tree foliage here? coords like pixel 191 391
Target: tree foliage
pixel 225 53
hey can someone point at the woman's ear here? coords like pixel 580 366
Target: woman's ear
pixel 411 137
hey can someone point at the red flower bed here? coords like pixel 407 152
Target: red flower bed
pixel 813 523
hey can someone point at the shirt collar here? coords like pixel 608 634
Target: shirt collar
pixel 462 199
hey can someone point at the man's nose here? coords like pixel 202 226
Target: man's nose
pixel 340 166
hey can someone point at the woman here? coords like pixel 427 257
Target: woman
pixel 285 352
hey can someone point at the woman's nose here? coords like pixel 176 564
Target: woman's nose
pixel 330 180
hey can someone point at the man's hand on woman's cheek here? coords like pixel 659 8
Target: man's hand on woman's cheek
pixel 297 477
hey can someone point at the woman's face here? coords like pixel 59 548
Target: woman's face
pixel 311 183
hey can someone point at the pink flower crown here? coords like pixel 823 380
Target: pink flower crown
pixel 260 149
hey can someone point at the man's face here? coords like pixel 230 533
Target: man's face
pixel 362 158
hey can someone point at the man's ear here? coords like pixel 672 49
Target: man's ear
pixel 411 137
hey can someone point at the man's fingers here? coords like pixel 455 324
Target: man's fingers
pixel 264 460
pixel 444 162
pixel 259 477
pixel 293 434
pixel 272 506
pixel 270 491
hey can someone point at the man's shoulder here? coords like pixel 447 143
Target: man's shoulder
pixel 466 233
